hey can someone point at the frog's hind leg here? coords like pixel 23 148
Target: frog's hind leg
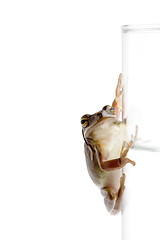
pixel 113 200
pixel 118 202
pixel 109 198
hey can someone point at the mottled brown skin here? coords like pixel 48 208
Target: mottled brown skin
pixel 105 140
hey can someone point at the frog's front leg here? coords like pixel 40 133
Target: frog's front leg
pixel 117 103
pixel 113 200
pixel 115 164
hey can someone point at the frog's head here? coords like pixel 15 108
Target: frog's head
pixel 88 121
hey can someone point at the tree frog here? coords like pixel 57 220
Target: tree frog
pixel 106 148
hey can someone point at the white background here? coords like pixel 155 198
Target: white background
pixel 58 61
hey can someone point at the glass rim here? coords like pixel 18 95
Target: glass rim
pixel 140 28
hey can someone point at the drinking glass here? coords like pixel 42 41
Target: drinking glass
pixel 141 108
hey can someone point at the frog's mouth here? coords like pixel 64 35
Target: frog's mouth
pixel 106 114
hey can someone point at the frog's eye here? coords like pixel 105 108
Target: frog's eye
pixel 84 122
pixel 112 109
pixel 109 108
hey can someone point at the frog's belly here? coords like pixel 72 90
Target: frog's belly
pixel 111 179
pixel 110 146
pixel 102 178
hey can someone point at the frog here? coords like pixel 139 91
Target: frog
pixel 106 146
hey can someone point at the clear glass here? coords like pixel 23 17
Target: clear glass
pixel 141 98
